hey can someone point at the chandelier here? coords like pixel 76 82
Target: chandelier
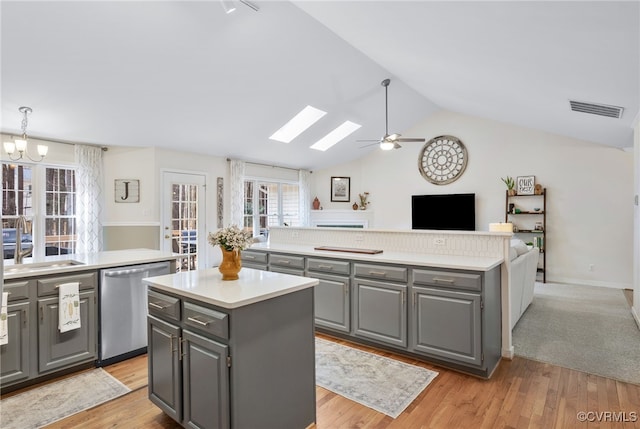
pixel 20 145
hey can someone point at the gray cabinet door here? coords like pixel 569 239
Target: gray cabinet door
pixel 58 350
pixel 447 324
pixel 380 311
pixel 165 375
pixel 205 378
pixel 14 355
pixel 331 302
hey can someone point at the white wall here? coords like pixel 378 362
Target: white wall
pixel 636 271
pixel 147 165
pixel 590 190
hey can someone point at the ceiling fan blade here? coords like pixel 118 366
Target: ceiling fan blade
pixel 410 140
pixel 396 145
pixel 369 145
pixel 370 140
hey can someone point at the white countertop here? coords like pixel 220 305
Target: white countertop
pixel 473 263
pixel 252 286
pixel 88 261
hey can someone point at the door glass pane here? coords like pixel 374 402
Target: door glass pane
pixel 290 203
pixel 184 235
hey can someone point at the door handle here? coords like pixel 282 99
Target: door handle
pixel 167 236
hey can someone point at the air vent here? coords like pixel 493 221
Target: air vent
pixel 596 109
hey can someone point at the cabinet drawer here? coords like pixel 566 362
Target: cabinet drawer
pixel 380 272
pixel 163 305
pixel 287 261
pixel 448 279
pixel 17 290
pixel 258 257
pixel 206 319
pixel 328 266
pixel 49 286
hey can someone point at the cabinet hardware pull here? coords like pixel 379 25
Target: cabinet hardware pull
pixel 377 273
pixel 326 267
pixel 403 297
pixel 248 257
pixel 199 322
pixel 171 349
pixel 180 354
pixel 24 317
pixel 41 313
pixel 449 281
pixel 283 262
pixel 158 306
pixel 346 289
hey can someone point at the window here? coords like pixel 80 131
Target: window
pixel 269 204
pixel 46 197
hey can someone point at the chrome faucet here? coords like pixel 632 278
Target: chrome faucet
pixel 21 226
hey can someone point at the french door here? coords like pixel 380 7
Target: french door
pixel 183 218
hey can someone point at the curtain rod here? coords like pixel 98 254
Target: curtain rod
pixel 268 165
pixel 31 136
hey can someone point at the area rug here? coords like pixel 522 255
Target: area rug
pixel 585 328
pixel 383 384
pixel 43 405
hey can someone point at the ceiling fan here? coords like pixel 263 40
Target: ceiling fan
pixel 389 141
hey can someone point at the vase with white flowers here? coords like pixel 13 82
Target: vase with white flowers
pixel 232 240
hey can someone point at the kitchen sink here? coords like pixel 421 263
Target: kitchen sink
pixel 38 266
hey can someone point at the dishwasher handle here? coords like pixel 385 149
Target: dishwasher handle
pixel 134 270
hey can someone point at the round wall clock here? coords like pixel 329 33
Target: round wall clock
pixel 442 160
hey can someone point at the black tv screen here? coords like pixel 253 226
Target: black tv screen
pixel 444 212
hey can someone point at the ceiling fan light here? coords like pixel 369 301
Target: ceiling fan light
pixel 385 145
pixel 393 136
pixel 42 150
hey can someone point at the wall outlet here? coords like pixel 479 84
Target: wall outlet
pixel 359 238
pixel 591 267
pixel 294 234
pixel 439 241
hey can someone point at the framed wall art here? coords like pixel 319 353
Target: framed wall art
pixel 525 185
pixel 341 189
pixel 127 190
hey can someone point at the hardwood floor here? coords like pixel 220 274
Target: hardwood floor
pixel 521 394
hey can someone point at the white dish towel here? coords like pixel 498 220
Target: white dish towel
pixel 4 328
pixel 68 306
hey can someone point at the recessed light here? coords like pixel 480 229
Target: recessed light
pixel 335 136
pixel 303 120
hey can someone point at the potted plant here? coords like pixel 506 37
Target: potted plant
pixel 231 241
pixel 510 185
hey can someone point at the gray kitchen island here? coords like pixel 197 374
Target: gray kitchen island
pixel 232 354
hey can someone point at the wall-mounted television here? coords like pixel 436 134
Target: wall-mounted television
pixel 444 212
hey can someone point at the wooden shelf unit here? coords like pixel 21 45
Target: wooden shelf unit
pixel 526 200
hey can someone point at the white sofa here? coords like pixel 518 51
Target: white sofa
pixel 522 278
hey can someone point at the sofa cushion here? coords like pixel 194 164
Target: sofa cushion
pixel 519 246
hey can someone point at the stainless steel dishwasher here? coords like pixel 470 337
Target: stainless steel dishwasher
pixel 123 310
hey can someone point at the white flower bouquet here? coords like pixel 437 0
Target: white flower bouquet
pixel 231 238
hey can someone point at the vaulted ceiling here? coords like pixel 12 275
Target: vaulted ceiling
pixel 186 75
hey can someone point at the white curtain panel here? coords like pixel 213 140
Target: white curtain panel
pixel 236 188
pixel 304 178
pixel 89 198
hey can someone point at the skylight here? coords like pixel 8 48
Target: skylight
pixel 303 120
pixel 335 136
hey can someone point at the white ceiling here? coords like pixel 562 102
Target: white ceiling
pixel 182 74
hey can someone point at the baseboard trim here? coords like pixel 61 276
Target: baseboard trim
pixel 636 316
pixel 120 224
pixel 597 283
pixel 508 353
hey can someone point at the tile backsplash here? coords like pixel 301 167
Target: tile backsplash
pixel 461 243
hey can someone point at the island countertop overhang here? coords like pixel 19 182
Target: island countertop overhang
pixel 207 286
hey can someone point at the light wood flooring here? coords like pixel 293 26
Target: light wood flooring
pixel 521 394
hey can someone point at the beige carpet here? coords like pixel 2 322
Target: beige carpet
pixel 383 384
pixel 585 328
pixel 54 401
